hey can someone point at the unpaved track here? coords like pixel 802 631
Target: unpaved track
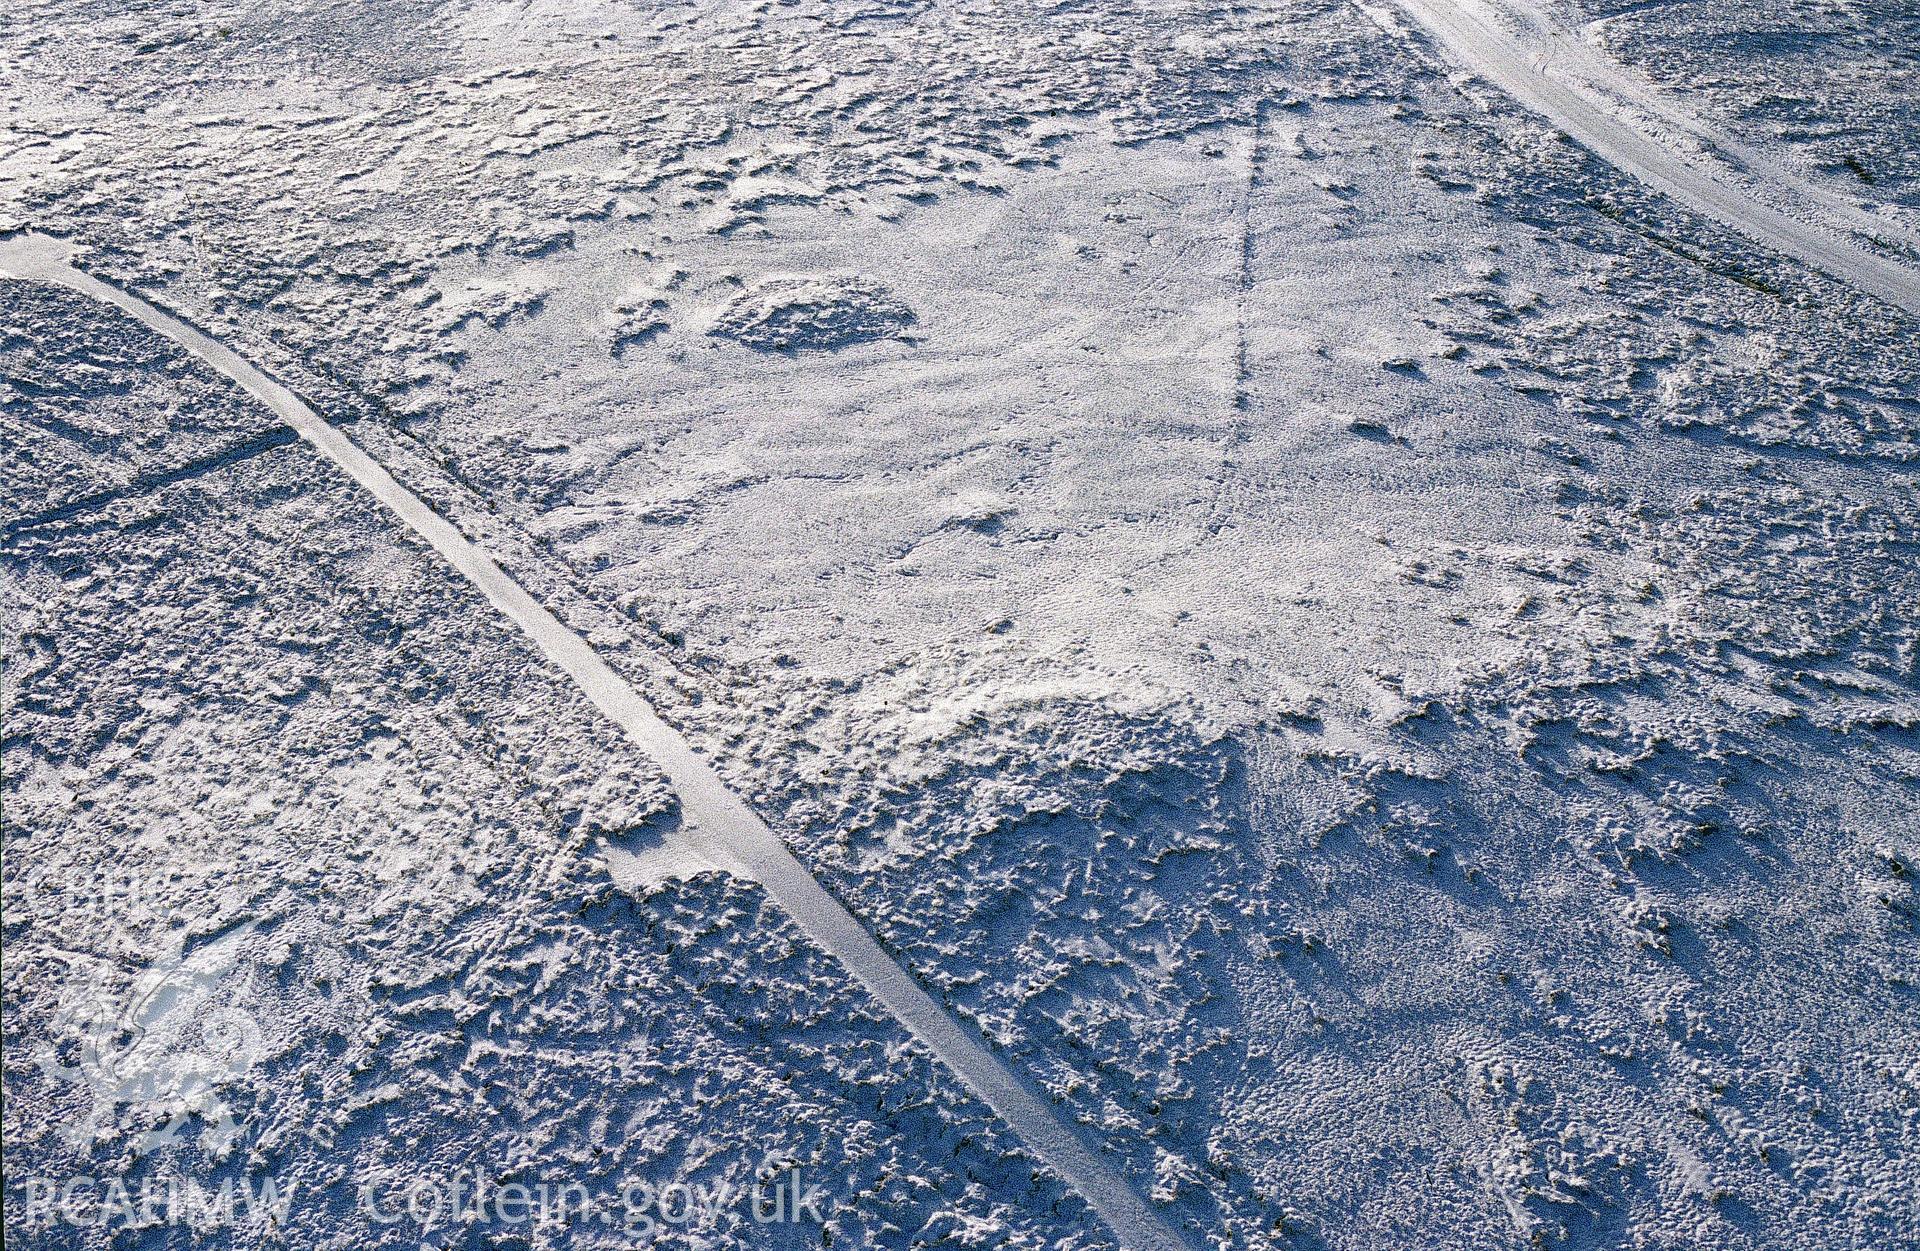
pixel 1559 51
pixel 1521 70
pixel 716 822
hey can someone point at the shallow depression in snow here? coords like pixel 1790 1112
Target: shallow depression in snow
pixel 788 314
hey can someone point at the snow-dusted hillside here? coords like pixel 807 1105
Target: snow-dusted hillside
pixel 1325 598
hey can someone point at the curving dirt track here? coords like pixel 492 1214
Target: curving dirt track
pixel 1524 67
pixel 716 822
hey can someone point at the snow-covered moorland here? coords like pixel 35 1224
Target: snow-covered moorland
pixel 875 624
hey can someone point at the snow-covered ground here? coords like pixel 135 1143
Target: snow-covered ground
pixel 1831 87
pixel 1337 584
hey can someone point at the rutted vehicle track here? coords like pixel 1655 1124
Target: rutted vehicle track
pixel 718 825
pixel 1523 69
pixel 1562 51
